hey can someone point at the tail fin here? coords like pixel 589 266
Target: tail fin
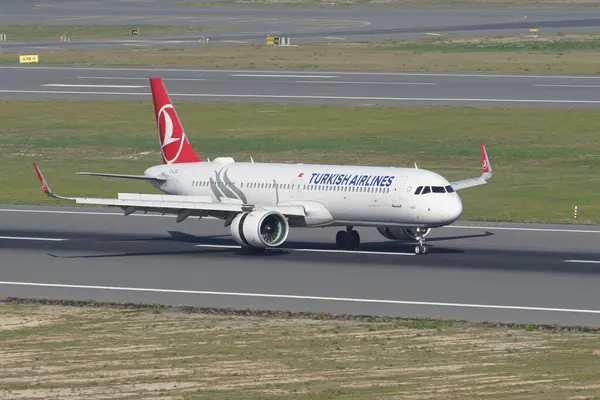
pixel 174 145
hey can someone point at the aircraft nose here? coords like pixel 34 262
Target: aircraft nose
pixel 454 209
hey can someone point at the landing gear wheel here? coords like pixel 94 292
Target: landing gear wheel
pixel 421 249
pixel 354 240
pixel 347 240
pixel 342 240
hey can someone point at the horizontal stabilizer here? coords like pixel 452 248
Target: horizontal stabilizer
pixel 122 176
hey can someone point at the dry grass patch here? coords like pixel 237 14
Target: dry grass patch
pixel 551 54
pixel 115 353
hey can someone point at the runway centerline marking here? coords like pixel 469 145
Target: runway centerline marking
pixel 371 83
pixel 569 86
pixel 301 297
pixel 386 253
pixel 32 238
pixel 284 76
pixel 583 261
pixel 313 97
pixel 94 86
pixel 136 78
pixel 506 228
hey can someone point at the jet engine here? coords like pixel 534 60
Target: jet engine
pixel 260 229
pixel 402 233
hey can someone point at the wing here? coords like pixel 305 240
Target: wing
pixel 123 176
pixel 182 206
pixel 482 180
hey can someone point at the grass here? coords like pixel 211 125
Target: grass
pixel 103 352
pixel 25 32
pixel 556 54
pixel 544 159
pixel 394 3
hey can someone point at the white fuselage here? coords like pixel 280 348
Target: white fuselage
pixel 331 194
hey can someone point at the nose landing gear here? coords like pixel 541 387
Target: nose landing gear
pixel 421 248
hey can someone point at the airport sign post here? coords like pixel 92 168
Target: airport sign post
pixel 28 59
pixel 2 39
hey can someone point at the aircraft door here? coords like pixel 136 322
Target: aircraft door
pixel 398 192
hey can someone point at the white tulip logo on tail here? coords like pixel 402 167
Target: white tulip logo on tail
pixel 171 140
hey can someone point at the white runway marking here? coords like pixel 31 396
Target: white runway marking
pixel 583 261
pixel 299 297
pixel 506 228
pixel 136 78
pixel 386 253
pixel 371 83
pixel 221 71
pixel 315 97
pixel 569 86
pixel 32 238
pixel 284 76
pixel 95 86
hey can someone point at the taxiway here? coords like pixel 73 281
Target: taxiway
pixel 250 25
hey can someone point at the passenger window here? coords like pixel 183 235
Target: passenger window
pixel 418 191
pixel 426 190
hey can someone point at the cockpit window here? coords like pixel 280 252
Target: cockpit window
pixel 426 190
pixel 418 191
pixel 449 189
pixel 438 189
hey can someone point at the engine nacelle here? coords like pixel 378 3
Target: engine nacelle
pixel 260 229
pixel 402 233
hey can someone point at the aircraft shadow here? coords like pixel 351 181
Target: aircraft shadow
pixel 390 246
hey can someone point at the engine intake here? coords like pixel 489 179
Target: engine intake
pixel 260 229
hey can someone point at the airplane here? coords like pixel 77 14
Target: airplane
pixel 260 202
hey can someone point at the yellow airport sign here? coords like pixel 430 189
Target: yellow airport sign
pixel 29 59
pixel 270 41
pixel 534 30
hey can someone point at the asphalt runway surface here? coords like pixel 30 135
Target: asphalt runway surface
pixel 342 87
pixel 477 271
pixel 251 24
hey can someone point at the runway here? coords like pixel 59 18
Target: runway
pixel 478 271
pixel 252 24
pixel 339 87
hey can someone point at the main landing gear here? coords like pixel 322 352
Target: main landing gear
pixel 421 248
pixel 347 240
